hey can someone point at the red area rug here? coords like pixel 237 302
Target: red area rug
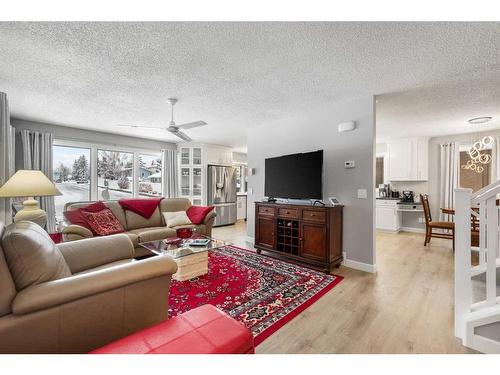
pixel 260 292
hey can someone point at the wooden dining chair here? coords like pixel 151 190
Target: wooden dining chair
pixel 431 225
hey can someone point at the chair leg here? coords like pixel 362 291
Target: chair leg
pixel 453 239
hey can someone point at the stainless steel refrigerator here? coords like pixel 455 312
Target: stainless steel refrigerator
pixel 222 193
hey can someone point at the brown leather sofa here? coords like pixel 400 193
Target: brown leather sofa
pixel 76 296
pixel 139 229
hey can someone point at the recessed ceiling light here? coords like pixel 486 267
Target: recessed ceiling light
pixel 480 120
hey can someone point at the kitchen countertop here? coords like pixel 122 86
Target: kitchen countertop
pixel 400 201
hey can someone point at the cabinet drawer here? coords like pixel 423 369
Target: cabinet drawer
pixel 314 215
pixel 292 213
pixel 266 211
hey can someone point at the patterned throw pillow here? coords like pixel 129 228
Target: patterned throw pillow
pixel 103 223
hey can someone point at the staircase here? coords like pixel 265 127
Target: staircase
pixel 477 306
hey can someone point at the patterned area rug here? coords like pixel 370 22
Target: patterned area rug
pixel 261 292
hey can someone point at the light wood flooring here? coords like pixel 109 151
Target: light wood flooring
pixel 406 307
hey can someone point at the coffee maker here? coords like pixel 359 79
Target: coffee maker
pixel 407 196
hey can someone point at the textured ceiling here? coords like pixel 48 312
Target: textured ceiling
pixel 231 75
pixel 440 109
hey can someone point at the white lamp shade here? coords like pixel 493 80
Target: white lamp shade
pixel 27 183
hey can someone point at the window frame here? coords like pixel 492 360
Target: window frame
pixel 94 147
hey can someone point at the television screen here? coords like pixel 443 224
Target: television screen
pixel 296 176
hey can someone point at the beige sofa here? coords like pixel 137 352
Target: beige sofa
pixel 76 296
pixel 139 229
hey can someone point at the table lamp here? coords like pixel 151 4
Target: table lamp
pixel 28 183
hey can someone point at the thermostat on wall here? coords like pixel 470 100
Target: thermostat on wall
pixel 349 164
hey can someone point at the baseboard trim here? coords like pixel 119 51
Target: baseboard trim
pixel 413 230
pixel 360 266
pixel 249 239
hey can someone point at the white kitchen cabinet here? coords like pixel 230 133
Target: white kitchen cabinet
pixel 191 174
pixel 241 207
pixel 387 215
pixel 193 159
pixel 408 159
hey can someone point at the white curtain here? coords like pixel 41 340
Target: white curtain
pixel 495 160
pixel 6 156
pixel 448 180
pixel 170 174
pixel 37 155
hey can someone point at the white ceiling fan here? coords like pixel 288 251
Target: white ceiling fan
pixel 173 128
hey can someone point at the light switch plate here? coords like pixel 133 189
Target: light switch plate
pixel 349 164
pixel 362 193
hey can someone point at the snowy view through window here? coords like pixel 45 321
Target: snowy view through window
pixel 149 175
pixel 115 175
pixel 71 176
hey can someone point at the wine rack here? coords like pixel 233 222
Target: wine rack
pixel 288 236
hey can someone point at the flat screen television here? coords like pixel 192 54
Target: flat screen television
pixel 295 176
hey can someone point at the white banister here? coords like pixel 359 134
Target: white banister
pixel 463 293
pixel 491 250
pixel 469 315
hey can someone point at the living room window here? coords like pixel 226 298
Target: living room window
pixel 149 174
pixel 115 174
pixel 84 172
pixel 71 174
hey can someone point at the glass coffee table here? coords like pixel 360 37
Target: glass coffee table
pixel 192 261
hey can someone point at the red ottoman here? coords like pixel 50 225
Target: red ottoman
pixel 204 330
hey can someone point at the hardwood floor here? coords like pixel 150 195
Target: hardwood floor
pixel 407 307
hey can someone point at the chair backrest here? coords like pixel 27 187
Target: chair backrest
pixel 427 211
pixel 7 288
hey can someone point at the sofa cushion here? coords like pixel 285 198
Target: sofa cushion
pixel 106 266
pixel 31 255
pixel 133 237
pixel 175 204
pixel 197 214
pixel 135 221
pixel 118 211
pixel 103 223
pixel 174 219
pixel 153 234
pixel 7 287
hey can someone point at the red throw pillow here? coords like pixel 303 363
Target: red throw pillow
pixel 76 217
pixel 198 213
pixel 103 223
pixel 94 207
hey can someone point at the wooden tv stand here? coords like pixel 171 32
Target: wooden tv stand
pixel 301 233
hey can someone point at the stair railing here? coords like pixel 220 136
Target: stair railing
pixel 485 203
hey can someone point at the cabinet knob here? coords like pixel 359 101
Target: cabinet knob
pixel 288 212
pixel 313 214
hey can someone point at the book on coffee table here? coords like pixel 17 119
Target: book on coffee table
pixel 198 242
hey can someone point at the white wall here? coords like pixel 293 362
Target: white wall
pixel 319 131
pixel 88 136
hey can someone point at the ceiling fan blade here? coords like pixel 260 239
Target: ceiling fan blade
pixel 182 136
pixel 191 125
pixel 140 126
